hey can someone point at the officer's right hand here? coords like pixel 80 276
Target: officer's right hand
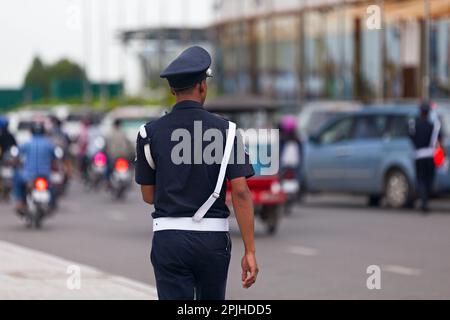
pixel 249 270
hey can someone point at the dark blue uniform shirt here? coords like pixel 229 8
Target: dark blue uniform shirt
pixel 421 137
pixel 180 190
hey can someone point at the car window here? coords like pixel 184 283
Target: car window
pixel 398 127
pixel 315 121
pixel 338 132
pixel 369 127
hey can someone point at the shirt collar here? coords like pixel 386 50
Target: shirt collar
pixel 187 104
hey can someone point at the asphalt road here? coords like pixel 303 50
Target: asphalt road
pixel 322 251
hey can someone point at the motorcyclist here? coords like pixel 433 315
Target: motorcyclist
pixel 59 137
pixel 82 143
pixel 118 144
pixel 61 140
pixel 7 140
pixel 290 147
pixel 90 142
pixel 37 156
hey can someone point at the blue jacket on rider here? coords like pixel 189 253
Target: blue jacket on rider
pixel 38 155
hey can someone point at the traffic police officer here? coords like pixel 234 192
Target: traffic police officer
pixel 191 243
pixel 425 137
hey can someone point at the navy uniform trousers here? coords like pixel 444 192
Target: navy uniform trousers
pixel 191 265
pixel 425 172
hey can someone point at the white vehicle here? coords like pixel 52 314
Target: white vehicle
pixel 131 119
pixel 20 123
pixel 72 123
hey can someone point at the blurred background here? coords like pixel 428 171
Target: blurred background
pixel 341 79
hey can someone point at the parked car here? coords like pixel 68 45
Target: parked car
pixel 368 152
pixel 316 114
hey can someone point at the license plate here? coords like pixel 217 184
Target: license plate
pixel 290 186
pixel 56 178
pixel 98 169
pixel 41 196
pixel 7 173
pixel 122 175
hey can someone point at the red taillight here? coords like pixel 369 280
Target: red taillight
pixel 41 184
pixel 100 159
pixel 289 175
pixel 122 165
pixel 439 157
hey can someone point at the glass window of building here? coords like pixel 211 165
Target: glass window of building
pixel 314 55
pixel 286 37
pixel 439 58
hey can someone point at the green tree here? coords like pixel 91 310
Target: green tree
pixel 37 76
pixel 66 70
pixel 40 76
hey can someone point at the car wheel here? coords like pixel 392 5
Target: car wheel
pixel 397 189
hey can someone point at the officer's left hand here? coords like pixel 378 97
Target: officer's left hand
pixel 249 270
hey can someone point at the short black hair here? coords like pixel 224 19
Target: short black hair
pixel 188 90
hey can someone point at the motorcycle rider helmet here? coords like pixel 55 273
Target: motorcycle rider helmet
pixel 37 128
pixel 289 124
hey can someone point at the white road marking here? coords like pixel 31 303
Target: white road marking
pixel 405 271
pixel 302 251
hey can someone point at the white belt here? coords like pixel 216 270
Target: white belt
pixel 424 153
pixel 189 224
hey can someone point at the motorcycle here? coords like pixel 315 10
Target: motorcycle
pixel 291 187
pixel 98 166
pixel 7 173
pixel 38 201
pixel 97 170
pixel 120 178
pixel 59 178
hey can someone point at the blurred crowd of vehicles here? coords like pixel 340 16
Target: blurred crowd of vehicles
pixel 346 147
pixel 99 145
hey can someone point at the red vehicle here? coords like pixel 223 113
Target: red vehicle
pixel 255 113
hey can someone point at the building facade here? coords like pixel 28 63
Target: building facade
pixel 298 50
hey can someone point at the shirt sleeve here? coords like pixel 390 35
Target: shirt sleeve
pixel 144 174
pixel 239 166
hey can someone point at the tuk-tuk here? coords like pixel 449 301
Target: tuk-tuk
pixel 256 113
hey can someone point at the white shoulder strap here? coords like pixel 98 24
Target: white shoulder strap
pixel 147 150
pixel 223 168
pixel 435 135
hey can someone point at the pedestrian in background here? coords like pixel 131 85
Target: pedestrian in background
pixel 425 136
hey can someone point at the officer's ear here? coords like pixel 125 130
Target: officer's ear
pixel 203 87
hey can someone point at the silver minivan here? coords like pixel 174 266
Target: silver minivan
pixel 368 152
